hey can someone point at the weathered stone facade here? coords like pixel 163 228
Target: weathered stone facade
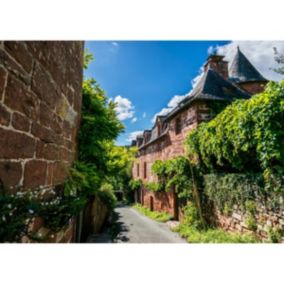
pixel 265 220
pixel 40 102
pixel 40 92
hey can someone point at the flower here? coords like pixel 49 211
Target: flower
pixel 9 206
pixel 4 218
pixel 31 211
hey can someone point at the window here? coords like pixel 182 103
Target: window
pixel 145 170
pixel 137 167
pixel 178 125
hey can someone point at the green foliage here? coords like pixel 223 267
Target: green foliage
pixel 17 212
pixel 154 186
pixel 88 57
pixel 227 190
pixel 155 215
pixel 248 134
pixel 99 160
pixel 135 184
pixel 191 217
pixel 250 221
pixel 275 235
pixel 174 173
pixel 106 193
pixel 214 236
pixel 57 212
pixel 279 58
pixel 192 228
pixel 99 126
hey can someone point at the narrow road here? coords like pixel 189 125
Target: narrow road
pixel 137 228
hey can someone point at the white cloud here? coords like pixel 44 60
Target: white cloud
pixel 144 115
pixel 134 119
pixel 196 79
pixel 133 135
pixel 124 108
pixel 171 105
pixel 259 53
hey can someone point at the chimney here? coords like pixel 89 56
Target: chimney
pixel 216 63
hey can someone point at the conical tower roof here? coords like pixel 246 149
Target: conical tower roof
pixel 241 70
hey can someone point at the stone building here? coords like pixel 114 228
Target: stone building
pixel 165 140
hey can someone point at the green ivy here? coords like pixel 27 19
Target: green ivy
pixel 248 134
pixel 135 184
pixel 18 211
pixel 227 190
pixel 174 174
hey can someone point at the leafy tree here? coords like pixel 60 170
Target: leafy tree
pixel 279 58
pixel 99 127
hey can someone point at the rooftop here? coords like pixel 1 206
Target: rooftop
pixel 241 70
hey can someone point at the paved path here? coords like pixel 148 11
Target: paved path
pixel 137 228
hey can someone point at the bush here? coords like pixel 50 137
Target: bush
pixel 191 217
pixel 135 184
pixel 275 235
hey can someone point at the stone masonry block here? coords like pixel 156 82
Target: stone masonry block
pixel 35 173
pixel 10 173
pixel 4 116
pixel 20 122
pixel 14 145
pixel 18 50
pixel 47 151
pixel 44 87
pixel 19 98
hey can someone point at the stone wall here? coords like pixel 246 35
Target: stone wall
pixel 264 220
pixel 40 101
pixel 159 201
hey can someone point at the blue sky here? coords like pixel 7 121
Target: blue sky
pixel 144 76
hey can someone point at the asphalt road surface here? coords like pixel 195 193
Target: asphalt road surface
pixel 137 228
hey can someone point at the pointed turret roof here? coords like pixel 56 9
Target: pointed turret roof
pixel 241 70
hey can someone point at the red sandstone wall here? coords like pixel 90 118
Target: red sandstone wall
pixel 165 148
pixel 40 101
pixel 162 201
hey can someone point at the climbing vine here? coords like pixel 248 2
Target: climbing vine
pixel 243 190
pixel 174 173
pixel 18 211
pixel 248 134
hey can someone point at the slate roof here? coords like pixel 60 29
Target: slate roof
pixel 211 86
pixel 241 70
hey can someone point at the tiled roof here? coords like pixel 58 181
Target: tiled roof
pixel 211 86
pixel 241 70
